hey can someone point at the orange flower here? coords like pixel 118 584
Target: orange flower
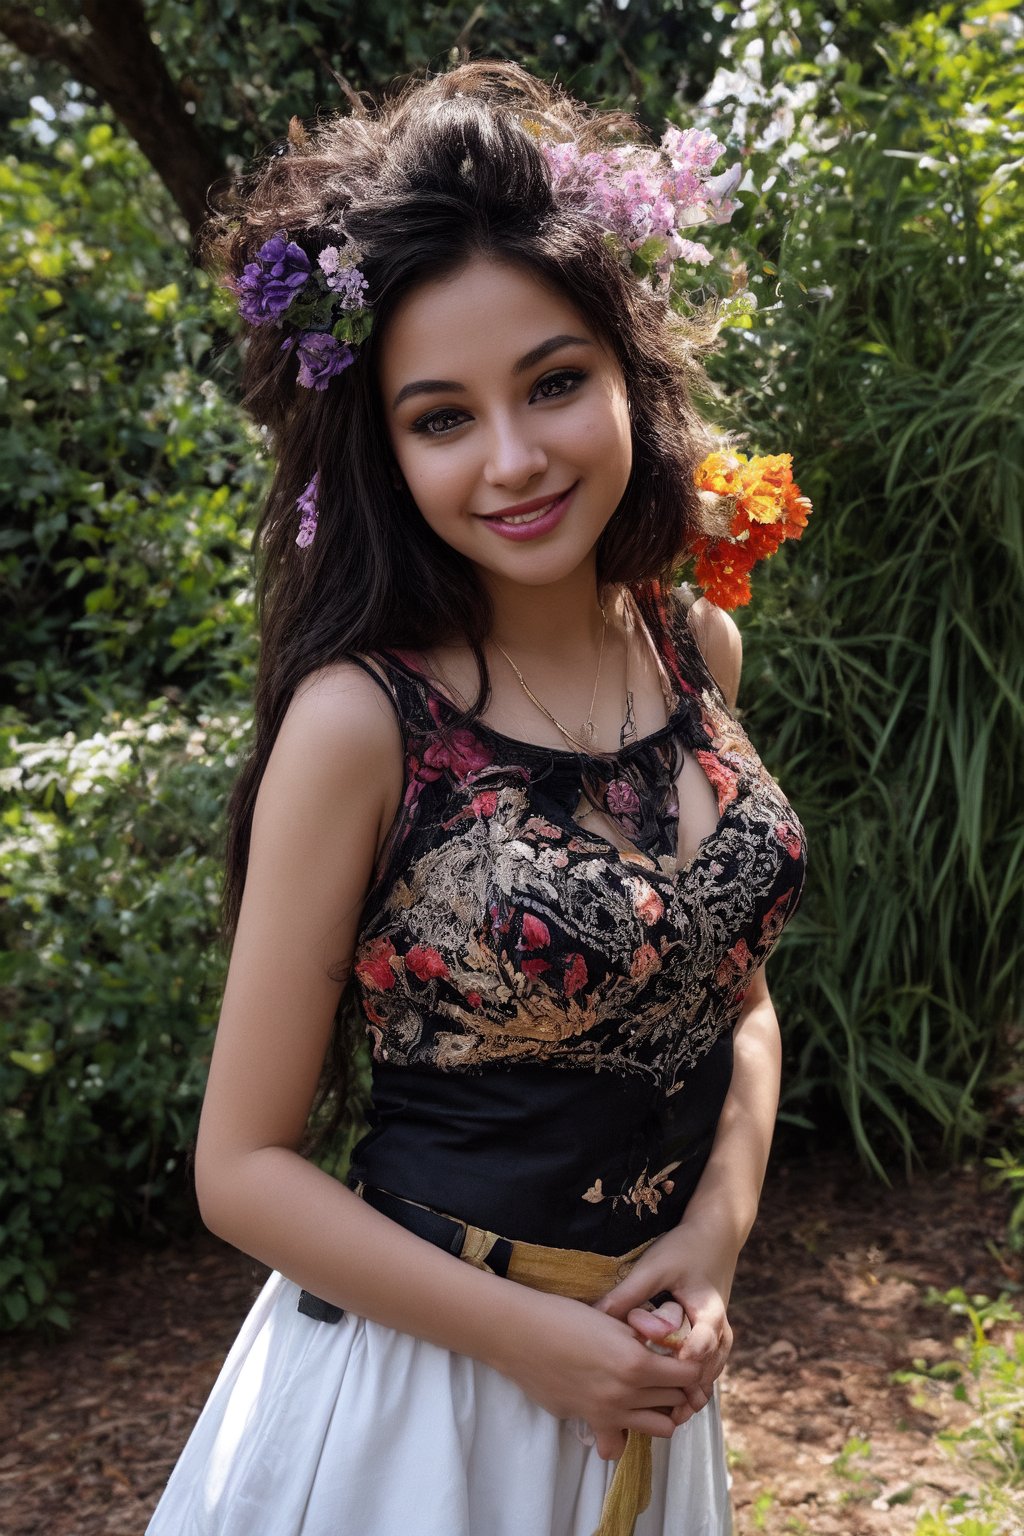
pixel 723 570
pixel 768 508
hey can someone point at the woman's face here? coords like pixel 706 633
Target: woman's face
pixel 508 417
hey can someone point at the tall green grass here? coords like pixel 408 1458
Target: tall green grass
pixel 885 655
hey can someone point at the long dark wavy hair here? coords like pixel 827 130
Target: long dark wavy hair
pixel 445 169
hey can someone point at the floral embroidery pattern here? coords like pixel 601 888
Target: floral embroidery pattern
pixel 645 1194
pixel 503 931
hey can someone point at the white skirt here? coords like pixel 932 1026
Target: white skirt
pixel 354 1429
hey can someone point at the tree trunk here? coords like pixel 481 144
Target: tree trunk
pixel 113 54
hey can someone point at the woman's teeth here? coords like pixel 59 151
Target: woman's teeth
pixel 528 517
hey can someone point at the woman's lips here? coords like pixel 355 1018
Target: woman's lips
pixel 533 524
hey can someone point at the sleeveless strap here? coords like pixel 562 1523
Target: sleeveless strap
pixel 406 694
pixel 691 665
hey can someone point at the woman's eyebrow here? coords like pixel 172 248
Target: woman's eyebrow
pixel 530 360
pixel 553 344
pixel 427 387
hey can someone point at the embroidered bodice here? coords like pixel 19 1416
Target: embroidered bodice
pixel 550 1014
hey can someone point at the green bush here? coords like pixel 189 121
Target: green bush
pixel 129 476
pixel 111 974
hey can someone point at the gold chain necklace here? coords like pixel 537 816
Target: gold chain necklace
pixel 588 724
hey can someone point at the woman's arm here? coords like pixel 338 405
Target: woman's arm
pixel 327 796
pixel 696 1261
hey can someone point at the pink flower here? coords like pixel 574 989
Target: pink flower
pixel 485 803
pixel 535 933
pixel 575 975
pixel 541 828
pixel 534 968
pixel 425 963
pixel 647 904
pixel 375 970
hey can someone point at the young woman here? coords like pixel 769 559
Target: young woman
pixel 498 798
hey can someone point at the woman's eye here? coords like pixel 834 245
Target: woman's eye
pixel 437 423
pixel 561 383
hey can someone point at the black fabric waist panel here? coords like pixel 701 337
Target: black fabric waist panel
pixel 541 1154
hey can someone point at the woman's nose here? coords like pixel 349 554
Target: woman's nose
pixel 514 457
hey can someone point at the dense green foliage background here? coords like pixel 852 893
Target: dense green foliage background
pixel 881 235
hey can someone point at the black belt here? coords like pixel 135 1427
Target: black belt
pixel 443 1231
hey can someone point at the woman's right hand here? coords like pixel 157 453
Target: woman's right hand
pixel 580 1363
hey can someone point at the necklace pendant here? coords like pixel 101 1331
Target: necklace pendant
pixel 628 731
pixel 588 732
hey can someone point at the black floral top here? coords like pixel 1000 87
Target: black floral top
pixel 550 1016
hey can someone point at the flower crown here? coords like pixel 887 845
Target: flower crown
pixel 325 306
pixel 643 199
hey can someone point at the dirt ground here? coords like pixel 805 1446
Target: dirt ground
pixel 830 1301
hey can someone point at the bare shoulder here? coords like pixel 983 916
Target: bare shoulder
pixel 342 704
pixel 339 746
pixel 721 644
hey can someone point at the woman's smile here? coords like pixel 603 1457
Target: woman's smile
pixel 508 418
pixel 531 519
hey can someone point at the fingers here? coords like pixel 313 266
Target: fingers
pixel 611 1443
pixel 706 1348
pixel 655 1326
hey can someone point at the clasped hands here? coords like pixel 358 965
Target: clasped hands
pixel 693 1326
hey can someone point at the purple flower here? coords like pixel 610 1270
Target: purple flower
pixel 622 799
pixel 343 278
pixel 329 260
pixel 307 505
pixel 269 284
pixel 321 356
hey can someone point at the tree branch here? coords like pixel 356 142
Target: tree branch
pixel 115 56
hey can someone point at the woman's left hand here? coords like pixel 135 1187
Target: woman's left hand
pixel 698 1272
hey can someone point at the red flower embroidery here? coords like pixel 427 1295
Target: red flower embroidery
pixel 575 975
pixel 723 778
pixel 474 999
pixel 645 960
pixel 775 919
pixel 534 968
pixel 535 933
pixel 787 836
pixel 460 752
pixel 541 828
pixel 736 963
pixel 425 963
pixel 375 970
pixel 485 803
